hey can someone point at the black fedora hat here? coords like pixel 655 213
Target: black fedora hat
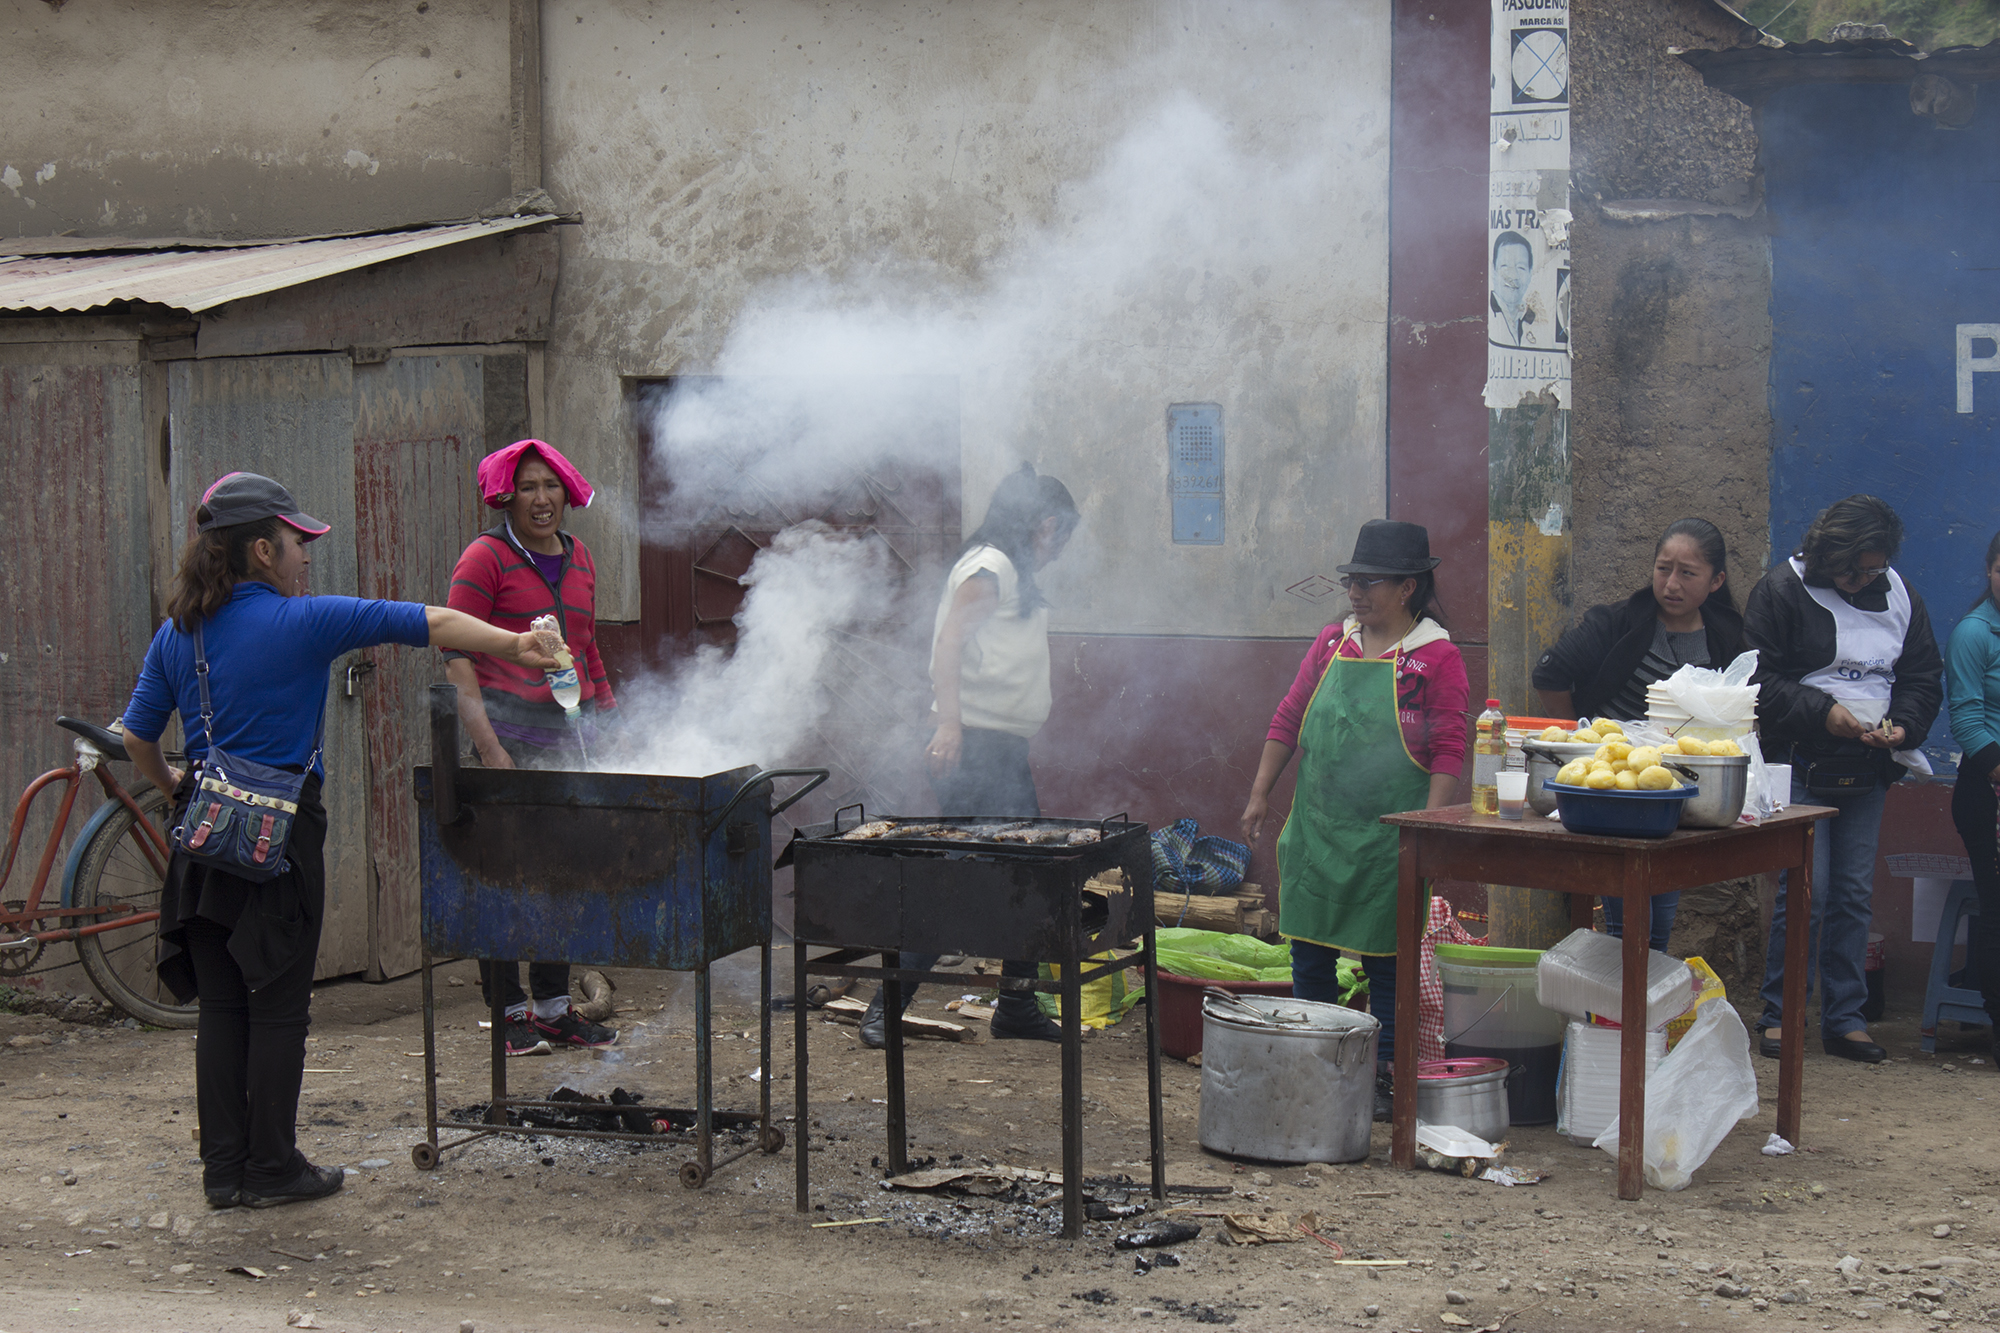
pixel 1385 546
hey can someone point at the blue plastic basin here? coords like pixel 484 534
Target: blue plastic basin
pixel 1619 814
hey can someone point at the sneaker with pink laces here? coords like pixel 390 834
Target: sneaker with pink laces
pixel 567 1031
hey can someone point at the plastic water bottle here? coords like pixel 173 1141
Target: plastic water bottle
pixel 563 683
pixel 1489 751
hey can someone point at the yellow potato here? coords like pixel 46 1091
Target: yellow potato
pixel 1619 749
pixel 1554 734
pixel 1657 778
pixel 1586 737
pixel 1642 758
pixel 1601 779
pixel 1573 773
pixel 1602 752
pixel 1599 766
pixel 1606 727
pixel 1725 748
pixel 1689 745
pixel 1627 781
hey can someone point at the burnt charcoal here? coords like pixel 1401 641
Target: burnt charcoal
pixel 1146 1263
pixel 1096 1296
pixel 1158 1234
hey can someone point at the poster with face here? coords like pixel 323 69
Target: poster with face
pixel 1527 227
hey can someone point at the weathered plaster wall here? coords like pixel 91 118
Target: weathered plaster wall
pixel 1673 340
pixel 250 117
pixel 977 160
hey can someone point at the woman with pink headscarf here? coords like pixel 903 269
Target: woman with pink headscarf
pixel 523 567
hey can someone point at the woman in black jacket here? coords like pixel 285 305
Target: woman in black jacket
pixel 1849 674
pixel 1601 668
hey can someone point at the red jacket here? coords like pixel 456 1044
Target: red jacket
pixel 497 582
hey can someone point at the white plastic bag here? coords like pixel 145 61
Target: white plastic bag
pixel 1717 698
pixel 1696 1096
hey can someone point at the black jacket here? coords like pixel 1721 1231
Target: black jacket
pixel 1595 659
pixel 1794 636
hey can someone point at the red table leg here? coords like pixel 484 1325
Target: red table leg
pixel 1632 1038
pixel 1410 920
pixel 1792 1032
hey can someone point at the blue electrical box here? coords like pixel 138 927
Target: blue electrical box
pixel 1194 468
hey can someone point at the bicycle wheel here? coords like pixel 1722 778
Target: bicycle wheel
pixel 112 871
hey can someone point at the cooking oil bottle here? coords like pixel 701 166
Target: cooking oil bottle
pixel 1489 751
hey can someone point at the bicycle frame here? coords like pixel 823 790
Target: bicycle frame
pixel 152 843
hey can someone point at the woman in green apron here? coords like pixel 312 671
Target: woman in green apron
pixel 1377 716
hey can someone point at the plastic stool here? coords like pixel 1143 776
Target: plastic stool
pixel 1944 1002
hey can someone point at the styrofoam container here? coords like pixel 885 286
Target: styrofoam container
pixel 1587 1086
pixel 1584 975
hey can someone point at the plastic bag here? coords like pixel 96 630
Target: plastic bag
pixel 1696 1096
pixel 1105 999
pixel 1723 698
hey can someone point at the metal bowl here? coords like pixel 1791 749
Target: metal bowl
pixel 1545 760
pixel 1724 782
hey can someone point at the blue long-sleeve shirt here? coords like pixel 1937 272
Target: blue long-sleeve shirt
pixel 268 656
pixel 1972 666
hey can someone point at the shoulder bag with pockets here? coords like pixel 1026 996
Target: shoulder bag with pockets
pixel 241 813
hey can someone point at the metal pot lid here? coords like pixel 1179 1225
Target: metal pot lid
pixel 1270 1011
pixel 1466 1067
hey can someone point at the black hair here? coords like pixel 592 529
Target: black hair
pixel 1846 530
pixel 1424 601
pixel 212 563
pixel 1986 573
pixel 1708 538
pixel 1020 504
pixel 1512 238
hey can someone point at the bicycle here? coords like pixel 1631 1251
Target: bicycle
pixel 111 884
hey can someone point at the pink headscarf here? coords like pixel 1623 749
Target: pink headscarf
pixel 496 473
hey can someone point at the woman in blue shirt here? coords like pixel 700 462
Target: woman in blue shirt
pixel 1972 670
pixel 247 950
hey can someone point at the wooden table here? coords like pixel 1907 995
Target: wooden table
pixel 1538 853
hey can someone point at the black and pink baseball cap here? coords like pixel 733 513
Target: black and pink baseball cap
pixel 245 497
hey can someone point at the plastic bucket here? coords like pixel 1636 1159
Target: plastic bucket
pixel 1180 1008
pixel 1490 1009
pixel 1286 1080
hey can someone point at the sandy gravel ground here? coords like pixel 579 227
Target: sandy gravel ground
pixel 103 1227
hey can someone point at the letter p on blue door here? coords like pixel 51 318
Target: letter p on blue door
pixel 1970 337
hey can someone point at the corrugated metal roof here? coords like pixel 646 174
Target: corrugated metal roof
pixel 1753 72
pixel 197 280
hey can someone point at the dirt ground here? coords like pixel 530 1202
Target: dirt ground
pixel 104 1226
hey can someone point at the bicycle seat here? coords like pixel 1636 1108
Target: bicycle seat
pixel 110 742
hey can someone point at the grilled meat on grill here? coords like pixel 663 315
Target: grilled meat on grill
pixel 874 828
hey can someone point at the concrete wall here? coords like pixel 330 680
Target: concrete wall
pixel 1673 288
pixel 1132 205
pixel 250 117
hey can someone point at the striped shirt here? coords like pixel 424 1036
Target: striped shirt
pixel 496 582
pixel 1669 653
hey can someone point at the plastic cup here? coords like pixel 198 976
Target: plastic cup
pixel 1513 793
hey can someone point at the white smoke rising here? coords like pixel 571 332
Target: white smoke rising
pixel 723 710
pixel 1192 253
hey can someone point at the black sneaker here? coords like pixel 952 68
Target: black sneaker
pixel 568 1032
pixel 223 1196
pixel 522 1038
pixel 1385 1098
pixel 313 1182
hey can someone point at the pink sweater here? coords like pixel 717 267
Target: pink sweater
pixel 1431 693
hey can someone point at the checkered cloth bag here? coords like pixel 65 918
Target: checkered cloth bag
pixel 1186 863
pixel 1441 928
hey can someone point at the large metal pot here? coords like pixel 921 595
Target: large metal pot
pixel 1725 783
pixel 1286 1080
pixel 1545 759
pixel 1468 1093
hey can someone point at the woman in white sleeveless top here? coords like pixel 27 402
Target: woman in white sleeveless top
pixel 1851 680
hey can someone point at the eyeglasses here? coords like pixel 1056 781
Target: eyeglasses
pixel 1355 583
pixel 1866 573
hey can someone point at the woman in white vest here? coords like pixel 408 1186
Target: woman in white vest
pixel 1851 680
pixel 990 674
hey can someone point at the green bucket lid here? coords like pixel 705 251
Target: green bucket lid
pixel 1480 955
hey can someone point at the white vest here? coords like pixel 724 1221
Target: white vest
pixel 1866 645
pixel 1003 682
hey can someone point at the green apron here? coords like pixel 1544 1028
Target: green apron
pixel 1336 861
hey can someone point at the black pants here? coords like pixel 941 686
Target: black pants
pixel 249 1059
pixel 992 778
pixel 546 981
pixel 1973 811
